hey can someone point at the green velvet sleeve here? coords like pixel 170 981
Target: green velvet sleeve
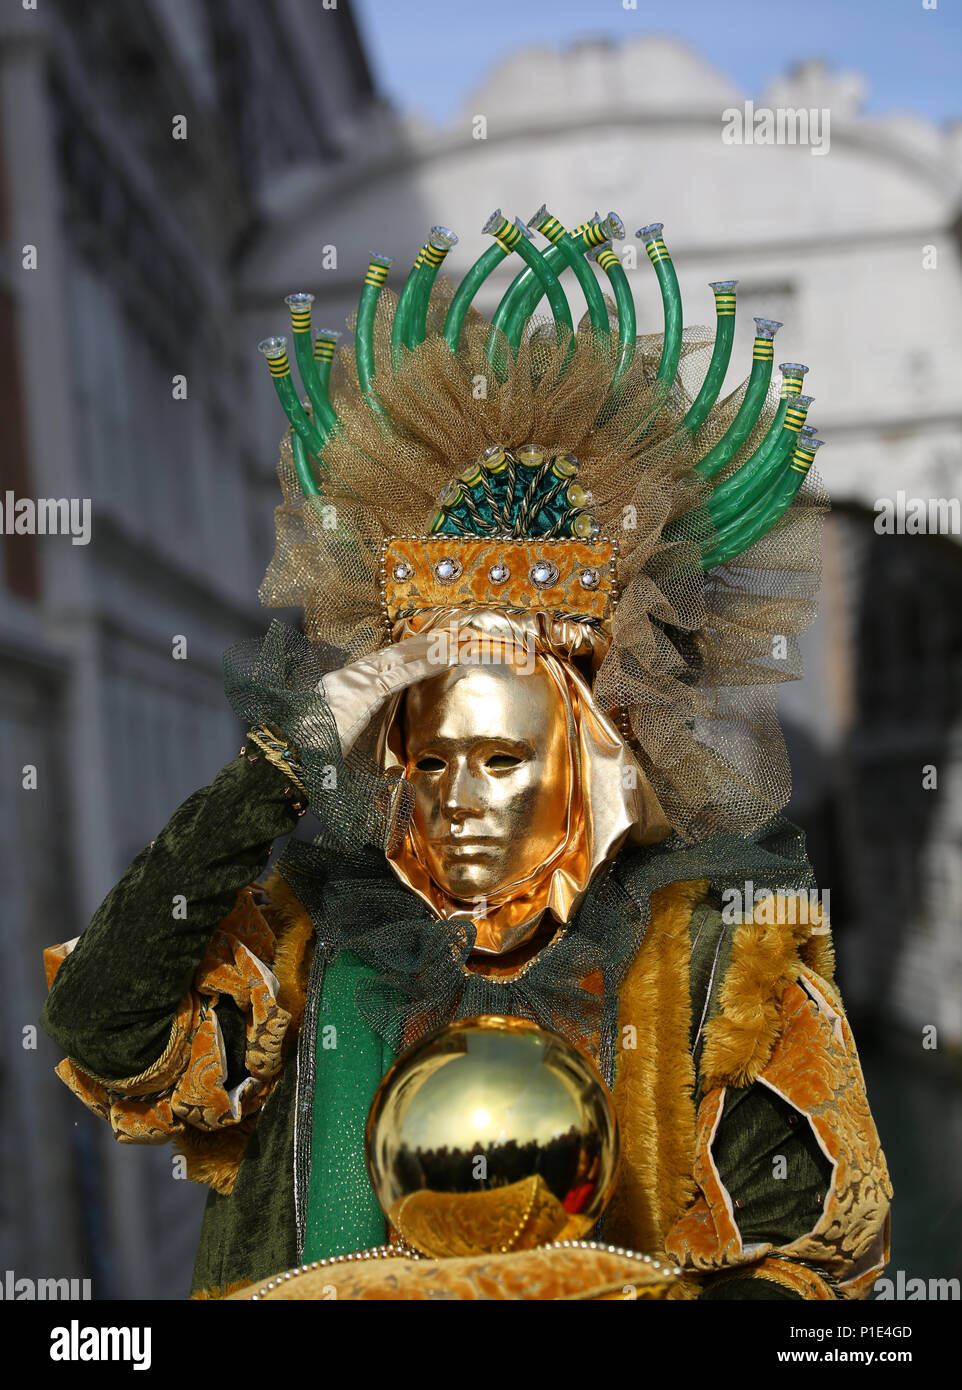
pixel 777 1176
pixel 770 1162
pixel 114 998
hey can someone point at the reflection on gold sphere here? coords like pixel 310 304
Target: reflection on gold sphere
pixel 490 1135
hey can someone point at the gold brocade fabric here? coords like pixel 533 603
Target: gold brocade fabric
pixel 690 662
pixel 575 1274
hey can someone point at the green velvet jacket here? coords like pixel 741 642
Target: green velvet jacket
pixel 761 1183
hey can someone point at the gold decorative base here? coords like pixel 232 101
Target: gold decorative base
pixel 570 1270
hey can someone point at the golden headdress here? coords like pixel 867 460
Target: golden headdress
pixel 584 483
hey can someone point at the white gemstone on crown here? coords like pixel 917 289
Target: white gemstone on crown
pixel 543 573
pixel 447 570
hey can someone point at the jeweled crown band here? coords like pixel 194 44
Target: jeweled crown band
pixel 575 578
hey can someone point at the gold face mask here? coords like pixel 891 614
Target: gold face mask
pixel 522 788
pixel 487 752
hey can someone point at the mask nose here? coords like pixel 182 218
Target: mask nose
pixel 460 796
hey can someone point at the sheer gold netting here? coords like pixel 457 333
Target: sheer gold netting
pixel 695 660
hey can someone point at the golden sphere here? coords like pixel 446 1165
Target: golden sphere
pixel 491 1134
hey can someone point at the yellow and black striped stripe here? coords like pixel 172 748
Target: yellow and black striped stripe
pixel 376 273
pixel 433 255
pixel 795 418
pixel 657 250
pixel 279 365
pixel 552 229
pixel 506 235
pixel 606 258
pixel 324 349
pixel 593 233
pixel 724 302
pixel 802 459
pixel 764 350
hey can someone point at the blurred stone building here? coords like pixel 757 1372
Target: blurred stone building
pixel 142 146
pixel 853 241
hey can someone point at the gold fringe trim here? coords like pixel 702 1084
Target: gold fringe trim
pixel 818 953
pixel 767 953
pixel 684 1290
pixel 215 1290
pixel 213 1157
pixel 295 948
pixel 655 1079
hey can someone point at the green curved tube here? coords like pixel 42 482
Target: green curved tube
pixel 744 531
pixel 374 279
pixel 296 414
pixel 670 299
pixel 768 465
pixel 401 327
pixel 524 293
pixel 302 466
pixel 751 407
pixel 745 487
pixel 437 247
pixel 300 307
pixel 275 350
pixel 324 345
pixel 561 240
pixel 526 289
pixel 627 326
pixel 324 412
pixel 724 291
pixel 467 290
pixel 548 280
pixel 515 238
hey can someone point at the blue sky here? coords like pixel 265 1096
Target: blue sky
pixel 428 55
